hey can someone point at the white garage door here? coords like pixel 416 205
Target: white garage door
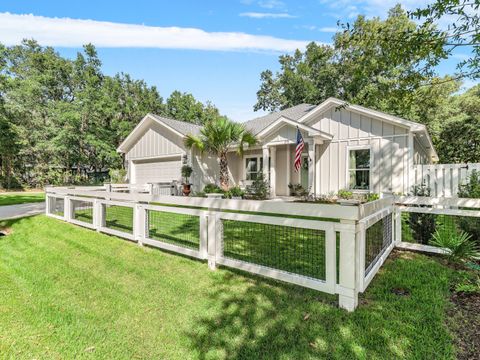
pixel 157 171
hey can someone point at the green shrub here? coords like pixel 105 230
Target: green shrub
pixel 234 192
pixel 459 244
pixel 117 176
pixel 422 225
pixel 372 197
pixel 345 194
pixel 471 189
pixel 186 173
pixel 260 189
pixel 212 189
pixel 297 190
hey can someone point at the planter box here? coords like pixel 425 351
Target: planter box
pixel 214 196
pixel 350 202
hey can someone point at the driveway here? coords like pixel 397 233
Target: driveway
pixel 21 210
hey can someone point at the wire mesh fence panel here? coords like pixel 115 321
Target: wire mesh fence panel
pixel 119 218
pixel 82 211
pixel 297 250
pixel 173 228
pixel 57 206
pixel 421 228
pixel 377 238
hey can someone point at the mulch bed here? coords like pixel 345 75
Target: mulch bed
pixel 465 323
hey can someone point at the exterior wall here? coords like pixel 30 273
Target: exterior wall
pixel 389 146
pixel 157 141
pixel 420 154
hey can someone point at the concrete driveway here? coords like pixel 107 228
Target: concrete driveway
pixel 21 210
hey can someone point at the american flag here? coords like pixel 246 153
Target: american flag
pixel 298 151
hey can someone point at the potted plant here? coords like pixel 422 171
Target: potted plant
pixel 213 191
pixel 186 172
pixel 236 193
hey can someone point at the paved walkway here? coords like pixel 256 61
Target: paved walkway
pixel 21 210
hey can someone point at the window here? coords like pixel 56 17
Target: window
pixel 254 165
pixel 359 169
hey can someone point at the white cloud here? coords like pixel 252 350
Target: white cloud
pixel 67 32
pixel 258 15
pixel 326 29
pixel 271 4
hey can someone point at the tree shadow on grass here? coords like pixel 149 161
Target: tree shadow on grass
pixel 252 317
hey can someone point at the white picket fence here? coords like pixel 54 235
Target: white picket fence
pixel 444 179
pixel 261 237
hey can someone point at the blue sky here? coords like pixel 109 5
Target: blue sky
pixel 213 49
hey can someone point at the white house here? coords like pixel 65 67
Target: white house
pixel 347 147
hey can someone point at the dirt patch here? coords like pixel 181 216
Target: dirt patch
pixel 5 231
pixel 464 320
pixel 401 291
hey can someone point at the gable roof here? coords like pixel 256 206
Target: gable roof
pixel 300 114
pixel 183 127
pixel 294 113
pixel 180 128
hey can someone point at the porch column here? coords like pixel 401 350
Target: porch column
pixel 266 154
pixel 311 166
pixel 273 175
pixel 289 169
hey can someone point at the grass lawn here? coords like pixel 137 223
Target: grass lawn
pixel 69 292
pixel 21 198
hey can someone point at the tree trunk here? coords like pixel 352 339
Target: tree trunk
pixel 224 179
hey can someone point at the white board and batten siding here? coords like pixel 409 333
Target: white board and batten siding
pixel 444 179
pixel 155 157
pixel 389 150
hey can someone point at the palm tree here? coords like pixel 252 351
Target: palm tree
pixel 218 136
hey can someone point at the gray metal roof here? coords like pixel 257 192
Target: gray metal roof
pixel 255 125
pixel 294 113
pixel 182 127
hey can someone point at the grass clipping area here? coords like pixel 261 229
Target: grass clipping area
pixel 20 198
pixel 68 292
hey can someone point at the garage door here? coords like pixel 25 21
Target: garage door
pixel 157 171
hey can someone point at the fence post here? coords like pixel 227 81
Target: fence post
pixel 139 223
pixel 398 225
pixel 98 214
pixel 48 203
pixel 204 236
pixel 213 239
pixel 67 208
pixel 349 264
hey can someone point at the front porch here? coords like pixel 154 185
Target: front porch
pixel 276 163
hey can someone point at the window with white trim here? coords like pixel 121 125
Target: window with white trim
pixel 254 165
pixel 359 163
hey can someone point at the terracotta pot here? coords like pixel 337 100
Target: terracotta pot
pixel 187 188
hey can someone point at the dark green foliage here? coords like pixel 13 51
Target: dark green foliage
pixel 212 189
pixel 421 225
pixel 459 244
pixel 297 190
pixel 61 120
pixel 459 140
pixel 471 189
pixel 186 172
pixel 234 191
pixel 117 176
pixel 260 188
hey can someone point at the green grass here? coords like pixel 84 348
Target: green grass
pixel 69 292
pixel 21 198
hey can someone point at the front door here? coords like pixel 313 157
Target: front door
pixel 304 172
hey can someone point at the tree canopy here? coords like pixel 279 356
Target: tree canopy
pixel 388 65
pixel 62 119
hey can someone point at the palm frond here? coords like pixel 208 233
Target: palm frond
pixel 192 141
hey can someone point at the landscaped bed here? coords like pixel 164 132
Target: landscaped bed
pixel 70 292
pixel 21 198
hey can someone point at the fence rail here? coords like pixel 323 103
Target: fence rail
pixel 319 246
